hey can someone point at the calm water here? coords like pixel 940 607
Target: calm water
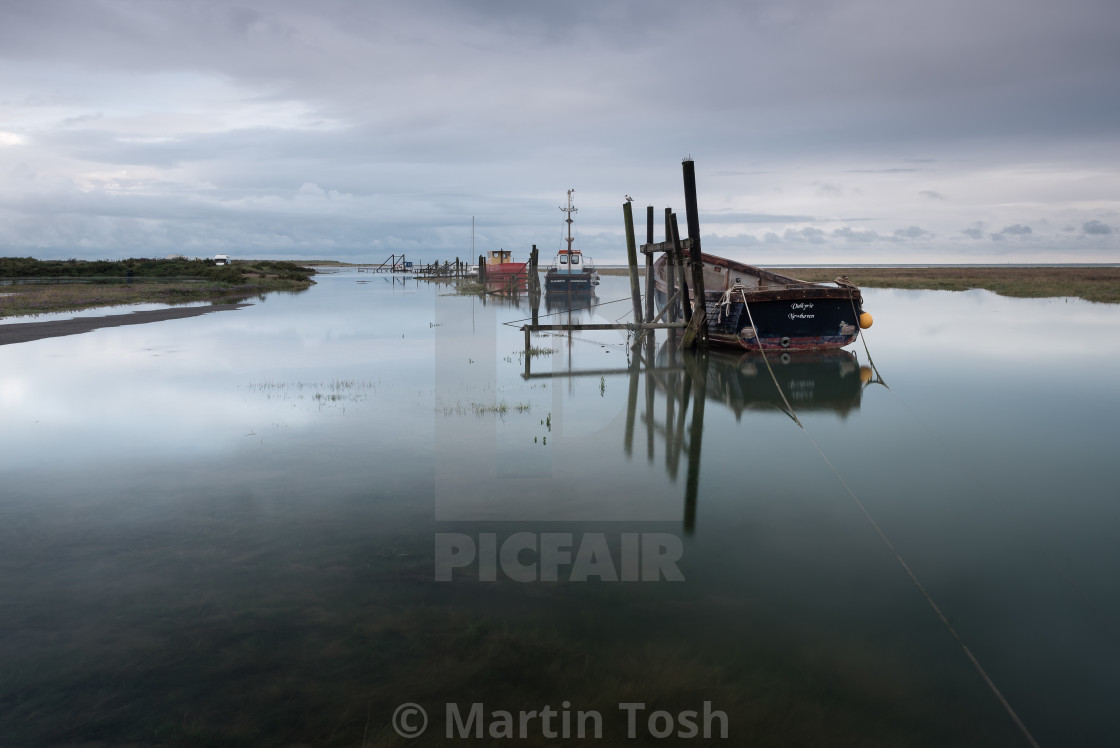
pixel 225 529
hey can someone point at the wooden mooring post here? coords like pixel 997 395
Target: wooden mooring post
pixel 632 261
pixel 649 264
pixel 534 278
pixel 670 269
pixel 692 214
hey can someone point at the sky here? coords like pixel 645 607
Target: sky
pixel 863 131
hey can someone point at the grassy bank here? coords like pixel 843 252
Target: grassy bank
pixel 1092 284
pixel 105 283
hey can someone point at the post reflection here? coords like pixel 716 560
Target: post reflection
pixel 811 381
pixel 792 382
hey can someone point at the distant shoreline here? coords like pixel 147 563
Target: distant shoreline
pixel 45 286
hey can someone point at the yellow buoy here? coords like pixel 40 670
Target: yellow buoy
pixel 865 321
pixel 864 374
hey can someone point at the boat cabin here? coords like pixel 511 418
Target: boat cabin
pixel 499 257
pixel 570 261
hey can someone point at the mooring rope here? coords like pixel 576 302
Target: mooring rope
pixel 843 282
pixel 883 536
pixel 925 593
pixel 1105 618
pixel 1058 568
pixel 762 350
pixel 565 311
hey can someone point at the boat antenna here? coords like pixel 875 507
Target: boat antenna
pixel 569 210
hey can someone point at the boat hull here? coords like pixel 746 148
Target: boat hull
pixel 561 282
pixel 782 324
pixel 753 309
pixel 507 276
pixel 505 270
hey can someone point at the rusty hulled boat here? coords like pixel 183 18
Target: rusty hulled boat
pixel 751 308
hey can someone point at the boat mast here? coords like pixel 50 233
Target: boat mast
pixel 569 210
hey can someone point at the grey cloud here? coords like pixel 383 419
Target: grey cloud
pixel 849 234
pixel 932 195
pixel 730 173
pixel 1017 229
pixel 975 231
pixel 753 218
pixel 1097 228
pixel 808 235
pixel 912 232
pixel 439 107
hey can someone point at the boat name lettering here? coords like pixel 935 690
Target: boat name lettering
pixel 802 316
pixel 801 305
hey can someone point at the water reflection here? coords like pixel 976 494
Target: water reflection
pixel 184 534
pixel 675 386
pixel 827 381
pixel 572 301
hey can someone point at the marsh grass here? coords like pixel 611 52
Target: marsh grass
pixel 1099 284
pixel 1091 284
pixel 105 283
pixel 500 409
pixel 324 393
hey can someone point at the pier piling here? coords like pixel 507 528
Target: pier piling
pixel 632 260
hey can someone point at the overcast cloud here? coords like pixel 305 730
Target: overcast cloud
pixel 897 131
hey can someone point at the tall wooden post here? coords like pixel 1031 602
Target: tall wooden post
pixel 481 270
pixel 692 214
pixel 678 259
pixel 649 264
pixel 534 278
pixel 534 285
pixel 632 258
pixel 670 269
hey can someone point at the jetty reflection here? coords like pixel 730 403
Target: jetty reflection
pixel 674 387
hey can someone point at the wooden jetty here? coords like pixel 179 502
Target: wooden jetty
pixel 691 307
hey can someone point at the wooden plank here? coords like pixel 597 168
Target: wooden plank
pixel 665 246
pixel 644 325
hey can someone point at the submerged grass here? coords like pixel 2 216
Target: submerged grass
pixel 499 409
pixel 332 392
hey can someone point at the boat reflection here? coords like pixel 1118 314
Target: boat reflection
pixel 676 386
pixel 830 380
pixel 811 381
pixel 574 301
